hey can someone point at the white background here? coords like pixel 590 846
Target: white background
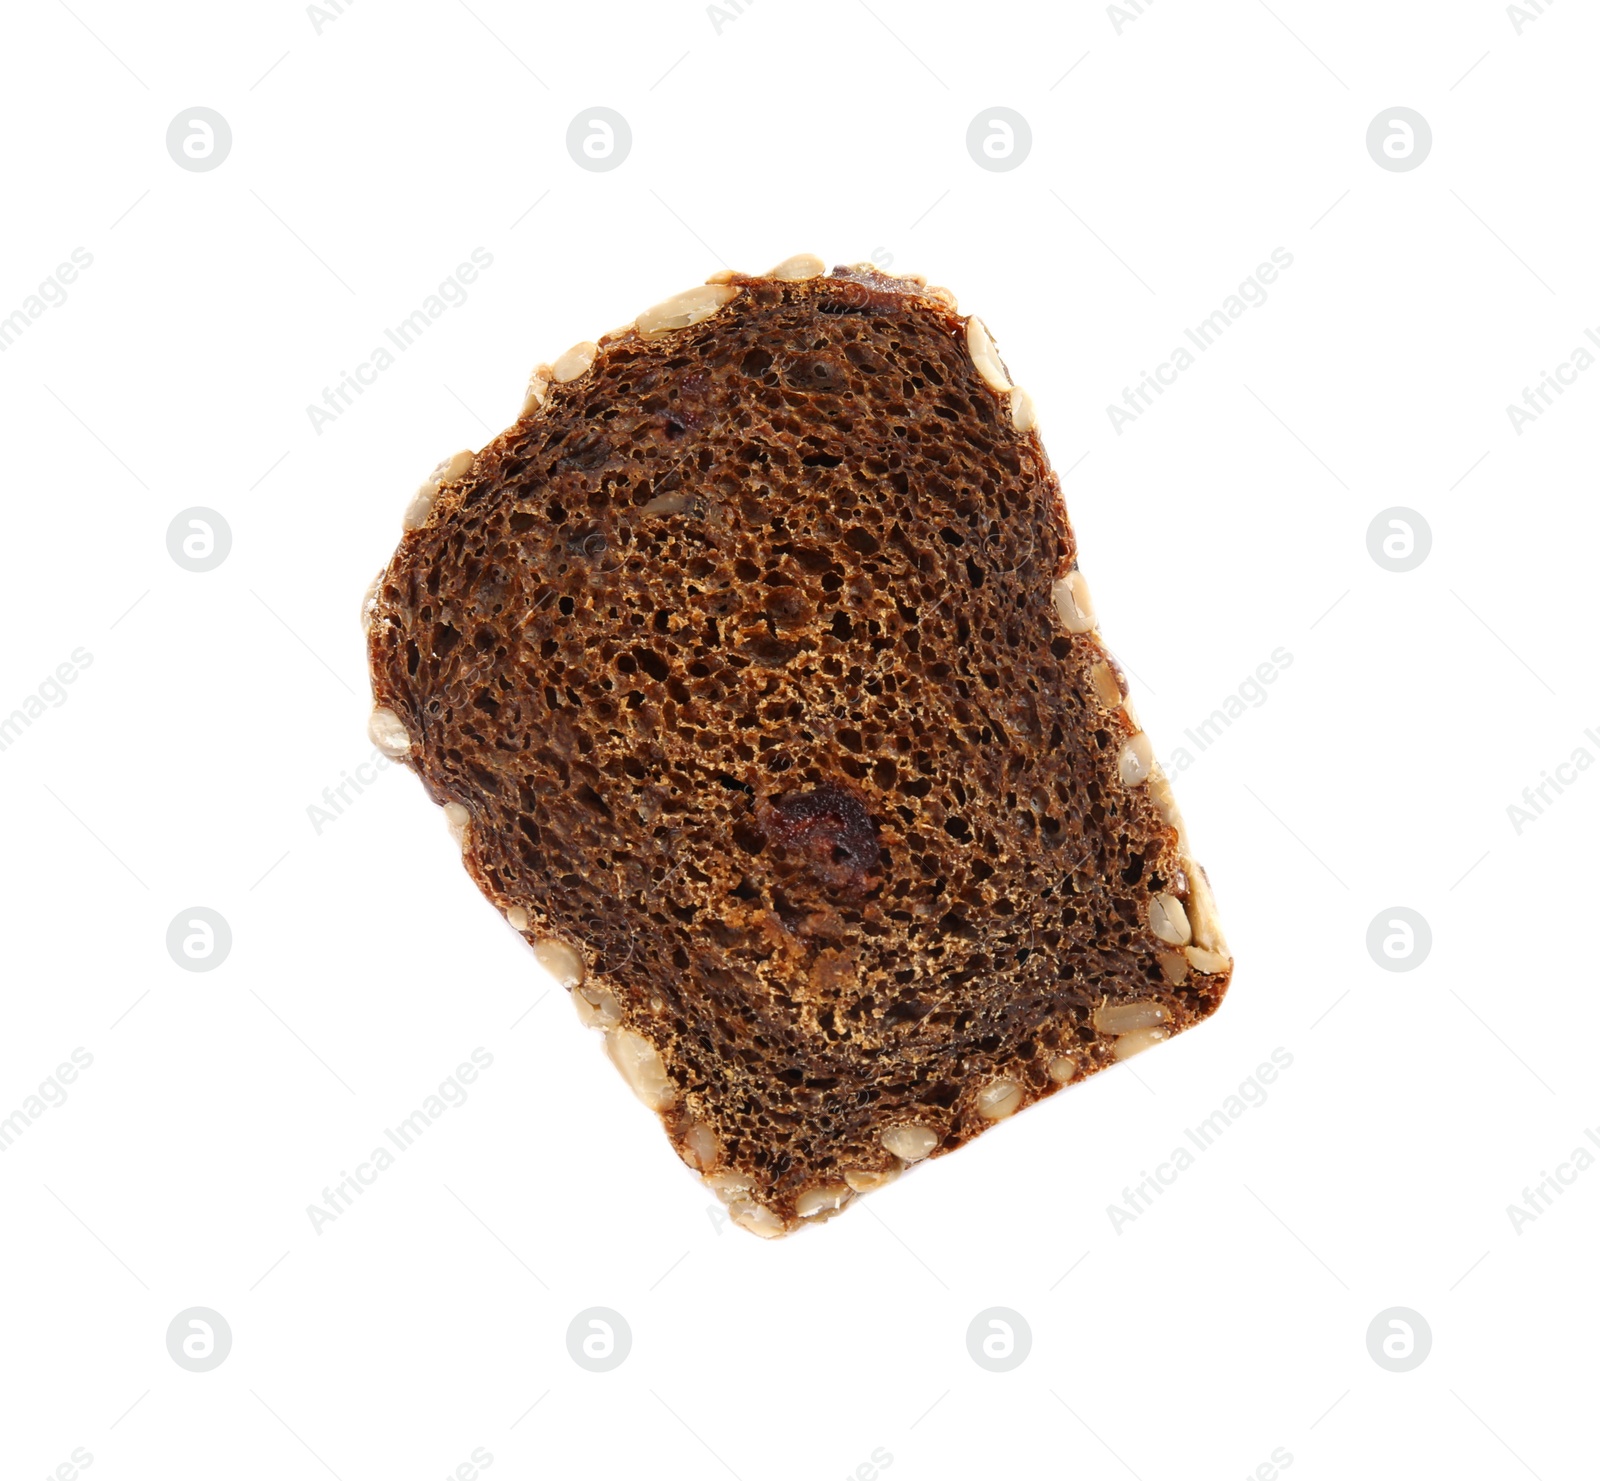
pixel 1225 1322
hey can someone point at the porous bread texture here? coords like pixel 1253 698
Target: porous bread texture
pixel 757 656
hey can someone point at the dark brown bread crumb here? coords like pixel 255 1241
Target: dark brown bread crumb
pixel 741 655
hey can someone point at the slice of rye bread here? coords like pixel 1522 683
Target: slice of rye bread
pixel 756 674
